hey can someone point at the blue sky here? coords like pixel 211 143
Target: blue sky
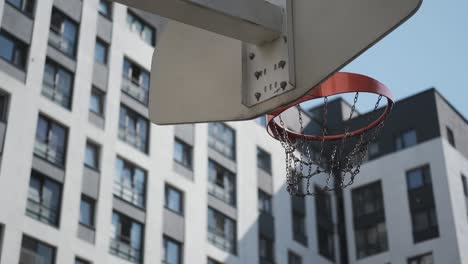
pixel 429 50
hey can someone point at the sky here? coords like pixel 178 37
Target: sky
pixel 429 50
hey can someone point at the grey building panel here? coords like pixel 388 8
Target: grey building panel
pixel 222 160
pixel 179 169
pixel 18 74
pixel 129 210
pixel 100 76
pixel 17 24
pixel 264 181
pixel 87 234
pixel 2 134
pixel 71 8
pixel 186 133
pixel 173 225
pixel 90 183
pixel 266 225
pixel 97 120
pixel 61 59
pixel 134 105
pixel 222 207
pixel 298 204
pixel 104 29
pixel 48 169
pixel 450 117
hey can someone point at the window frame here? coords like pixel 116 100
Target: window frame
pixel 261 154
pixel 324 223
pixel 215 136
pixel 60 33
pixel 31 240
pixel 144 24
pixel 105 47
pixel 269 249
pixel 20 48
pixel 23 7
pixel 119 180
pixel 135 117
pixel 219 217
pixel 57 89
pixel 118 236
pixel 263 196
pixel 166 241
pixel 399 141
pixel 101 96
pixel 109 7
pixel 51 122
pixel 97 155
pixel 92 205
pixel 451 137
pixel 168 188
pixel 294 258
pixel 186 149
pixel 419 258
pixel 229 177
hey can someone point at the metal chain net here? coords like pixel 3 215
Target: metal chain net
pixel 337 161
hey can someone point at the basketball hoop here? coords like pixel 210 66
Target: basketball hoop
pixel 339 155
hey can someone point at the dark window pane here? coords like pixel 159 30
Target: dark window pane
pixel 264 202
pixel 44 197
pixel 87 211
pixel 63 34
pixel 50 141
pixel 174 200
pixel 101 52
pixel 222 139
pixel 126 238
pixel 96 102
pixel 294 258
pixel 130 183
pixel 133 129
pixel 183 153
pixel 221 183
pixel 92 156
pixel 105 8
pixel 263 160
pixel 450 137
pixel 34 249
pixel 135 81
pixel 222 231
pixel 57 84
pixel 172 251
pixel 144 30
pixel 13 50
pixel 26 6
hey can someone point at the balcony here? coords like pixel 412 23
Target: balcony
pixel 49 152
pixel 134 90
pixel 60 43
pixel 41 212
pixel 55 94
pixel 121 247
pixel 221 193
pixel 129 193
pixel 218 239
pixel 132 138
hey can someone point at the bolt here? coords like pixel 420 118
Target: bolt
pixel 251 56
pixel 281 64
pixel 258 74
pixel 283 85
pixel 258 95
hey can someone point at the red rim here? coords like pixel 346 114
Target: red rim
pixel 339 83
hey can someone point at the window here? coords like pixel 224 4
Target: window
pixel 325 226
pixel 299 227
pixel 422 204
pixel 369 220
pixel 4 105
pixel 44 198
pixel 63 33
pixel 13 50
pixel 422 259
pixel 263 160
pixel 96 104
pixel 406 139
pixel 136 81
pixel 92 156
pixel 264 203
pixel 57 84
pixel 266 250
pixel 183 153
pixel 130 183
pixel 174 200
pixel 2 227
pixel 221 183
pixel 172 251
pixel 133 129
pixel 222 231
pixel 293 258
pixel 25 6
pixel 222 139
pixel 465 190
pixel 34 251
pixel 212 261
pixel 81 261
pixel 126 238
pixel 87 211
pixel 141 28
pixel 450 137
pixel 261 120
pixel 51 140
pixel 100 53
pixel 105 8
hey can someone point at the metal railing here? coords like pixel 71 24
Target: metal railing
pixel 49 152
pixel 129 193
pixel 50 91
pixel 42 212
pixel 218 239
pixel 221 193
pixel 132 138
pixel 134 90
pixel 221 147
pixel 59 42
pixel 121 247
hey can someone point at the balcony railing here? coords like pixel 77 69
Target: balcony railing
pixel 59 42
pixel 132 138
pixel 134 90
pixel 221 193
pixel 130 194
pixel 218 239
pixel 221 147
pixel 53 93
pixel 121 247
pixel 49 153
pixel 42 212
